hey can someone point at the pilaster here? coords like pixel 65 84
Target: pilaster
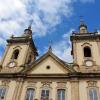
pixel 18 89
pixel 74 90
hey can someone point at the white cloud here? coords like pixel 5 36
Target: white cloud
pixel 98 31
pixel 45 13
pixel 63 48
pixel 15 15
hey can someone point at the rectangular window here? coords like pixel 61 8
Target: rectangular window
pixel 93 95
pixel 45 95
pixel 2 92
pixel 61 94
pixel 30 94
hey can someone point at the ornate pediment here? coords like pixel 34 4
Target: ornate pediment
pixel 49 64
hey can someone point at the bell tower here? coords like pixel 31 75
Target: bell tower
pixel 19 51
pixel 86 49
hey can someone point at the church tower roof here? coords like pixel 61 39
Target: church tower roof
pixel 82 24
pixel 82 27
pixel 28 31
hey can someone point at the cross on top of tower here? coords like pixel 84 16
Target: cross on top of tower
pixel 30 25
pixel 82 23
pixel 83 26
pixel 28 31
pixel 50 46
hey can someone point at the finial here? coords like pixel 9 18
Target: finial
pixel 11 36
pixel 96 31
pixel 28 31
pixel 81 20
pixel 31 21
pixel 50 46
pixel 82 23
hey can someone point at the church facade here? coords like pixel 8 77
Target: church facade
pixel 23 77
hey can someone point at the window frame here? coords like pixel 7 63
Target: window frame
pixel 27 90
pixel 13 54
pixel 45 90
pixel 97 90
pixel 64 91
pixel 5 91
pixel 15 48
pixel 89 51
pixel 58 88
pixel 86 44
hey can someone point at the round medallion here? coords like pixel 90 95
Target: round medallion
pixel 12 64
pixel 89 63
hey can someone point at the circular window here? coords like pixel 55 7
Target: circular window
pixel 48 67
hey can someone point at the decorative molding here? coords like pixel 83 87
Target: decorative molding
pixel 86 44
pixel 61 85
pixel 5 82
pixel 17 47
pixel 31 84
pixel 85 37
pixel 46 84
pixel 92 83
pixel 89 59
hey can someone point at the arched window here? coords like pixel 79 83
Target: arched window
pixel 15 54
pixel 29 59
pixel 45 94
pixel 2 92
pixel 87 52
pixel 30 94
pixel 61 94
pixel 93 94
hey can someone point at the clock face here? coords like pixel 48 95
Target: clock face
pixel 12 64
pixel 89 63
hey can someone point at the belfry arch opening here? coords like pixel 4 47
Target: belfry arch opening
pixel 15 54
pixel 87 52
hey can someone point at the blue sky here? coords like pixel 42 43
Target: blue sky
pixel 53 20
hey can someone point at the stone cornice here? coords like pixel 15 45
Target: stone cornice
pixel 52 76
pixel 19 40
pixel 85 37
pixel 25 40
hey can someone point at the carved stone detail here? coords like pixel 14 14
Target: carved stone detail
pixel 61 84
pixel 46 84
pixel 92 83
pixel 31 83
pixel 5 82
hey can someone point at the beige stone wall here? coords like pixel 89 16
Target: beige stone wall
pixel 11 90
pixel 16 89
pixel 21 57
pixel 83 90
pixel 74 90
pixel 10 86
pixel 55 67
pixel 79 54
pixel 38 86
pixel 94 50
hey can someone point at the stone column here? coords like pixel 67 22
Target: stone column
pixel 18 90
pixel 37 91
pixel 54 90
pixel 74 90
pixel 75 51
